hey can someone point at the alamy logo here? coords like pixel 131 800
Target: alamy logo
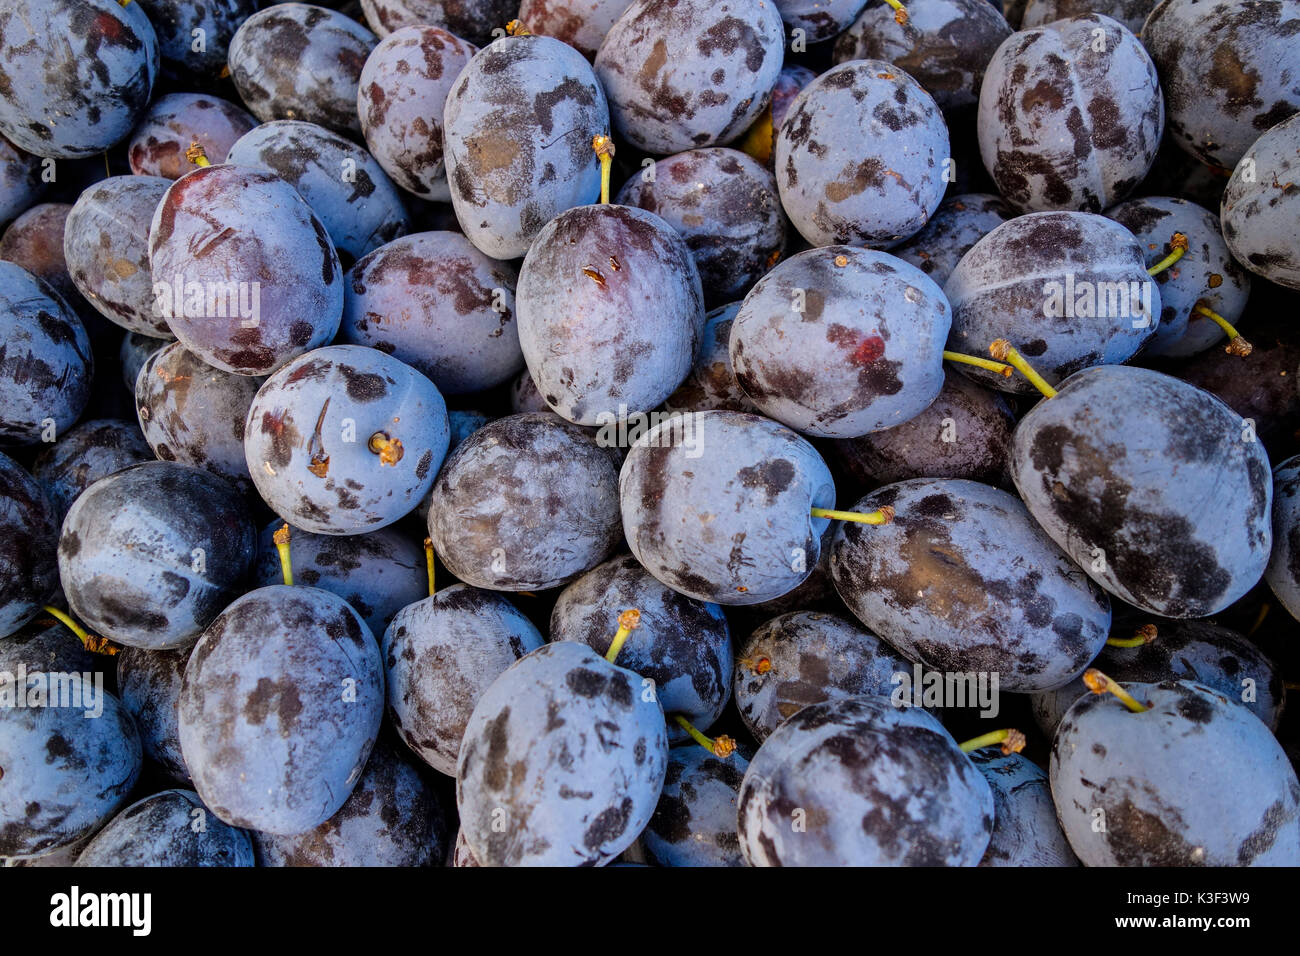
pixel 946 689
pixel 74 908
pixel 79 691
pixel 1084 299
pixel 209 300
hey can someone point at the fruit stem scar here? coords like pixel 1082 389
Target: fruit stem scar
pixel 1236 344
pixel 1099 683
pixel 1002 350
pixel 96 645
pixel 760 665
pixel 320 462
pixel 880 516
pixel 1143 635
pixel 900 12
pixel 281 539
pixel 516 28
pixel 604 147
pixel 1001 368
pixel 196 154
pixel 428 559
pixel 1012 741
pixel 389 450
pixel 1178 248
pixel 628 622
pixel 720 746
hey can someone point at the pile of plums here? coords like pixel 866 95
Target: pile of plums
pixel 649 432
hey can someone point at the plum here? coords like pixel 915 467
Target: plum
pixel 378 572
pixel 517 133
pixel 717 504
pixel 874 180
pixel 1229 71
pixel 134 352
pixel 391 818
pixel 45 359
pixel 150 686
pixel 243 270
pixel 859 782
pixel 150 555
pixel 725 206
pixel 170 828
pixel 345 439
pixel 691 73
pixel 1261 206
pixel 90 451
pixel 1154 486
pixel 1192 780
pixel 29 534
pixel 964 433
pixel 562 761
pixel 952 231
pixel 280 705
pixel 48 645
pixel 611 312
pixel 806 657
pixel 440 655
pixel 177 120
pixel 1206 274
pixel 195 414
pixel 1070 115
pixel 193 38
pixel 527 502
pixel 1070 290
pixel 76 74
pixel 1283 571
pixel 868 353
pixel 711 382
pixel 106 250
pixel 21 180
pixel 580 23
pixel 476 21
pixel 695 821
pixel 434 301
pixel 344 185
pixel 945 45
pixel 407 77
pixel 35 241
pixel 524 396
pixel 69 765
pixel 1200 651
pixel 963 580
pixel 1131 13
pixel 682 645
pixel 1025 829
pixel 299 61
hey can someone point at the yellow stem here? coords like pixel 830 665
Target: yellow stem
pixel 900 12
pixel 428 559
pixel 196 154
pixel 1178 244
pixel 96 645
pixel 720 746
pixel 604 147
pixel 516 28
pixel 281 539
pixel 1012 741
pixel 1099 683
pixel 628 622
pixel 882 516
pixel 1001 368
pixel 1002 350
pixel 1236 344
pixel 1143 635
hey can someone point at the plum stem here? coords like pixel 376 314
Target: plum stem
pixel 756 665
pixel 880 516
pixel 1259 618
pixel 1178 249
pixel 516 28
pixel 1236 344
pixel 96 645
pixel 389 449
pixel 1012 741
pixel 1142 636
pixel 428 560
pixel 197 155
pixel 1099 683
pixel 900 12
pixel 281 539
pixel 720 746
pixel 1002 350
pixel 604 147
pixel 1002 368
pixel 628 622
